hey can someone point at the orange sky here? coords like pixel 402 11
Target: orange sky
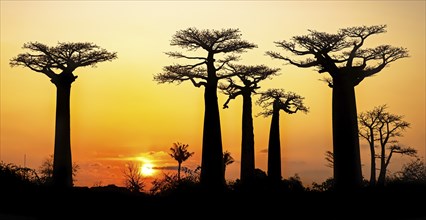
pixel 118 113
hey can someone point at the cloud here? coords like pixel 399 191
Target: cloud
pixel 165 168
pixel 264 150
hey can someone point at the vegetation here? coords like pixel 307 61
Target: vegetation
pixel 206 73
pixel 290 103
pixel 382 126
pixel 342 57
pixel 245 84
pixel 180 153
pixel 58 64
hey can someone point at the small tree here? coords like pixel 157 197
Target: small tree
pixel 58 64
pixel 384 127
pixel 180 153
pixel 46 170
pixel 412 172
pixel 368 122
pixel 133 179
pixel 227 160
pixel 290 103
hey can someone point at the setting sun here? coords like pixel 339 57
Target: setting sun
pixel 147 169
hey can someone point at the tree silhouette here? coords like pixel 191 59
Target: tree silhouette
pixel 58 63
pixel 368 122
pixel 227 160
pixel 180 153
pixel 133 179
pixel 329 157
pixel 46 170
pixel 206 72
pixel 412 172
pixel 383 126
pixel 347 64
pixel 290 103
pixel 245 85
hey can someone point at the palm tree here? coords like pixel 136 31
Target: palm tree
pixel 227 160
pixel 180 153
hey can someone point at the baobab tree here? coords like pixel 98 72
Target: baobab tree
pixel 384 127
pixel 246 83
pixel 290 103
pixel 206 72
pixel 180 153
pixel 342 57
pixel 58 64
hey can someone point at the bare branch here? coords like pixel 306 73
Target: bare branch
pixel 180 55
pixel 178 74
pixel 303 64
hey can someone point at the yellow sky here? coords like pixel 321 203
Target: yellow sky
pixel 118 112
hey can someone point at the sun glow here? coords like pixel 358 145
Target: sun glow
pixel 147 169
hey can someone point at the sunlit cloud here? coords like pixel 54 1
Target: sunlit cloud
pixel 264 151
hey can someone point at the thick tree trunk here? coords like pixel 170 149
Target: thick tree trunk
pixel 347 160
pixel 274 148
pixel 212 176
pixel 373 160
pixel 247 142
pixel 62 162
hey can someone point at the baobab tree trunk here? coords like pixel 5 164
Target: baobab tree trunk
pixel 212 176
pixel 62 161
pixel 247 142
pixel 274 148
pixel 347 160
pixel 373 160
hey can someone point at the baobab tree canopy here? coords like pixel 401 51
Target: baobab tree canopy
pixel 64 57
pixel 214 42
pixel 341 53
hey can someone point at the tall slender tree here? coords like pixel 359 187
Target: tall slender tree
pixel 341 56
pixel 58 63
pixel 389 127
pixel 246 83
pixel 368 122
pixel 290 103
pixel 206 72
pixel 180 153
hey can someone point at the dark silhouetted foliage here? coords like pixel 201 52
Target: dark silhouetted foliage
pixel 206 72
pixel 342 57
pixel 180 153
